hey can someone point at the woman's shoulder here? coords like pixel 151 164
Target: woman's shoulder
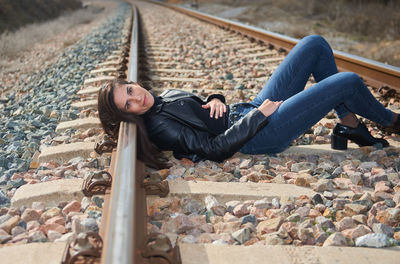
pixel 171 95
pixel 175 92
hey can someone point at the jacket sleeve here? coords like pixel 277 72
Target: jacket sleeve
pixel 195 144
pixel 218 96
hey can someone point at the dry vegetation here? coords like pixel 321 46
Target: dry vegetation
pixel 12 43
pixel 16 13
pixel 369 28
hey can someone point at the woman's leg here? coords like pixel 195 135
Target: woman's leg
pixel 301 111
pixel 312 55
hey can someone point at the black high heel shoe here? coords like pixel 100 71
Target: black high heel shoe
pixel 359 135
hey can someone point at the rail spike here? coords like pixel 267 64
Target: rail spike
pixel 97 183
pixel 86 248
pixel 159 246
pixel 105 145
pixel 160 188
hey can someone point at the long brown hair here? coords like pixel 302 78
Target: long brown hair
pixel 110 117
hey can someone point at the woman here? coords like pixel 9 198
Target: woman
pixel 282 111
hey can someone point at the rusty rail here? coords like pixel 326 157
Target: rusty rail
pixel 374 73
pixel 126 218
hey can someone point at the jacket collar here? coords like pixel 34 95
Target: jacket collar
pixel 157 106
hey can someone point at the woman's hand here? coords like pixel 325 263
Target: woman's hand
pixel 215 106
pixel 269 107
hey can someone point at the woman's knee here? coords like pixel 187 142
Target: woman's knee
pixel 315 40
pixel 351 79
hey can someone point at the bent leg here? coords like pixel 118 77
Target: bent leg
pixel 312 55
pixel 301 111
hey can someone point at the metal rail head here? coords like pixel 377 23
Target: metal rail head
pixel 120 244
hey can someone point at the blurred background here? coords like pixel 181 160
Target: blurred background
pixel 368 28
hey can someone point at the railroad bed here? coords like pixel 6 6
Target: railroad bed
pixel 309 204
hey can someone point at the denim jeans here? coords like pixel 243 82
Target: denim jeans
pixel 344 92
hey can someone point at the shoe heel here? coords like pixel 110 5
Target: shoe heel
pixel 338 142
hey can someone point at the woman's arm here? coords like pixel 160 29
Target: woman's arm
pixel 195 144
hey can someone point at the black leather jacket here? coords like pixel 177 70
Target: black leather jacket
pixel 188 137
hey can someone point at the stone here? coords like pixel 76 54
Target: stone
pixel 262 204
pixel 295 217
pixel 360 219
pixel 273 239
pixel 220 177
pixel 303 211
pixel 304 179
pixel 98 201
pixel 10 223
pixel 55 227
pixel 368 165
pixel 179 224
pixel 339 203
pixel 383 229
pixel 55 211
pixel 382 186
pixel 317 199
pixel 212 204
pixel 246 163
pixel 336 239
pixel 73 206
pixel 270 225
pixel 229 227
pixel 189 239
pixel 56 220
pixel 324 222
pixel 17 230
pixel 4 200
pixel 241 235
pixel 241 210
pixel 390 216
pixel 329 195
pixel 371 180
pixel 248 219
pixel 375 240
pixel 68 238
pixel 85 203
pixel 230 206
pixel 355 177
pixel 354 209
pixel 342 183
pixel 275 203
pixel 32 225
pixel 192 207
pixel 345 223
pixel 322 185
pixel 306 236
pixel 30 215
pixel 297 167
pixel 89 224
pixel 357 231
pixel 37 236
pixel 53 235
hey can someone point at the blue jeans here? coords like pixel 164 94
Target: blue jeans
pixel 344 92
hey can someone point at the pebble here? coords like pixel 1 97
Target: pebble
pixel 336 239
pixel 376 241
pixel 241 235
pixel 26 115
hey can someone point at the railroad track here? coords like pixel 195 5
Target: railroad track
pixel 243 209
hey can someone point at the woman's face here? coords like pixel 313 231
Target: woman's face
pixel 133 98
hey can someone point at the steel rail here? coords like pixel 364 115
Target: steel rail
pixel 126 217
pixel 374 73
